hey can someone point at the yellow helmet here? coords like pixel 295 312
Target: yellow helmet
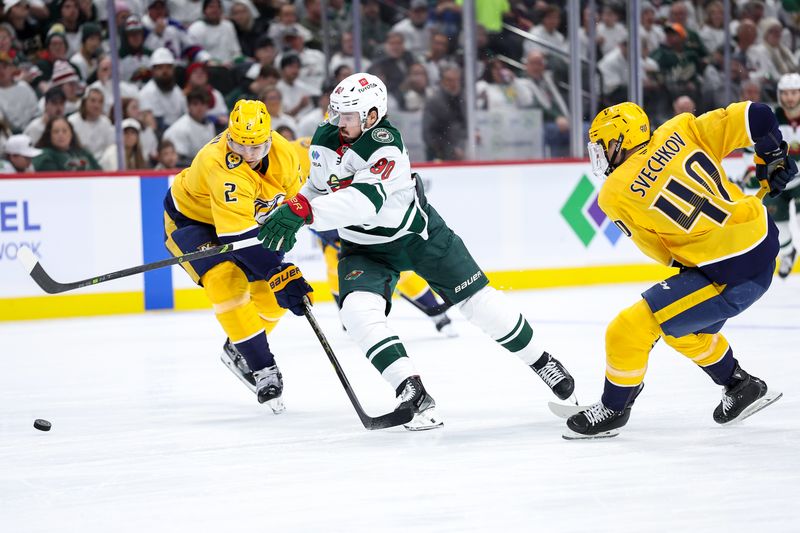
pixel 249 123
pixel 625 123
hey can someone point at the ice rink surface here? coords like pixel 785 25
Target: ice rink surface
pixel 152 433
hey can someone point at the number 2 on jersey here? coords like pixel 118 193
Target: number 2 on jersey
pixel 230 188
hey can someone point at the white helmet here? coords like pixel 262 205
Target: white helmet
pixel 359 92
pixel 789 81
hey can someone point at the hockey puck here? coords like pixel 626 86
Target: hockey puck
pixel 42 425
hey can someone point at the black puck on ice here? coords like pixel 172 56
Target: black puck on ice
pixel 42 425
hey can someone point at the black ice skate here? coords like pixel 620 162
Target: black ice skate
pixel 412 393
pixel 745 396
pixel 236 363
pixel 786 264
pixel 269 387
pixel 444 325
pixel 555 376
pixel 596 422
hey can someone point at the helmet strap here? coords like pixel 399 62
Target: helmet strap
pixel 613 156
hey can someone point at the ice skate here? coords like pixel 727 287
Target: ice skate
pixel 786 263
pixel 269 387
pixel 412 393
pixel 556 377
pixel 746 396
pixel 596 422
pixel 236 363
pixel 444 325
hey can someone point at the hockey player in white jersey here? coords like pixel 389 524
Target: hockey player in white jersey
pixel 361 184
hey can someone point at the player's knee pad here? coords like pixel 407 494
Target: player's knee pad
pixel 226 285
pixel 629 339
pixel 266 304
pixel 703 348
pixel 490 310
pixel 361 313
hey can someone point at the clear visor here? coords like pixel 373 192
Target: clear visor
pixel 250 152
pixel 343 120
pixel 598 158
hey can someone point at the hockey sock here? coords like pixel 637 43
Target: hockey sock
pixel 363 314
pixel 255 351
pixel 427 299
pixel 710 351
pixel 492 311
pixel 722 371
pixel 617 397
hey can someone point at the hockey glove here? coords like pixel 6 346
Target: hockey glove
pixel 777 168
pixel 279 232
pixel 289 287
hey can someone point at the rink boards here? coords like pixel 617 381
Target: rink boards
pixel 528 224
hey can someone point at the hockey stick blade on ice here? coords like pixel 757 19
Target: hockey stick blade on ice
pixel 51 286
pixel 395 418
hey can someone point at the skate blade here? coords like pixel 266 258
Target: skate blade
pixel 565 411
pixel 765 401
pixel 230 365
pixel 424 421
pixel 277 405
pixel 572 435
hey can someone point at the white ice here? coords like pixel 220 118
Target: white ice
pixel 152 433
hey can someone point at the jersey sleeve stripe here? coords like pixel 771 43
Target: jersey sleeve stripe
pixel 372 192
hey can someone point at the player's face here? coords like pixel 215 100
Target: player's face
pixel 790 98
pixel 251 153
pixel 349 124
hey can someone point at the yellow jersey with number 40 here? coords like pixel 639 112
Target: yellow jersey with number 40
pixel 676 203
pixel 221 189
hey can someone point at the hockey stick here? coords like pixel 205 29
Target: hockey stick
pixel 395 418
pixel 430 311
pixel 50 286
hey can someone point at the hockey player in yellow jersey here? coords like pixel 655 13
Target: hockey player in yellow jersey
pixel 411 287
pixel 669 193
pixel 233 183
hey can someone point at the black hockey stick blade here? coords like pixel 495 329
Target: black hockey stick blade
pixel 51 286
pixel 392 419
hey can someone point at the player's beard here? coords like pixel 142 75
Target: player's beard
pixel 346 138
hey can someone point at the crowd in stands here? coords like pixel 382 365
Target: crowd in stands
pixel 183 63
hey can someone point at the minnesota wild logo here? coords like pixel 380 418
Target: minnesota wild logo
pixel 336 183
pixel 353 275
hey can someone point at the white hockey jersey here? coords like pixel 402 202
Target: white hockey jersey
pixel 365 190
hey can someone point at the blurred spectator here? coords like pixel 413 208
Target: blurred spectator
pixel 272 98
pixel 340 73
pixel 134 58
pixel 250 89
pixel 307 124
pixel 61 150
pixel 7 38
pixel 345 54
pixel 312 62
pixel 56 50
pixel 312 21
pixel 65 76
pixel 17 100
pixel 614 68
pixel 161 95
pixel 490 15
pixel 446 18
pixel 547 31
pixel 651 33
pixel 414 28
pixel 148 140
pixel 265 53
pixel 193 130
pixel 416 89
pixel 373 29
pixel 496 89
pixel 771 58
pixel 438 55
pixel 66 13
pixel 248 26
pixel 749 90
pixel 167 156
pixel 103 82
pixel 215 33
pixel 163 31
pixel 19 152
pixel 611 31
pixel 287 18
pixel 393 65
pixel 683 104
pixel 185 11
pixel 444 122
pixel 196 77
pixel 54 104
pixel 28 31
pixel 682 13
pixel 679 67
pixel 133 151
pixel 87 56
pixel 712 34
pixel 93 128
pixel 286 132
pixel 296 94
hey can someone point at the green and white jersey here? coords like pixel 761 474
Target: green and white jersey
pixel 365 190
pixel 790 129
